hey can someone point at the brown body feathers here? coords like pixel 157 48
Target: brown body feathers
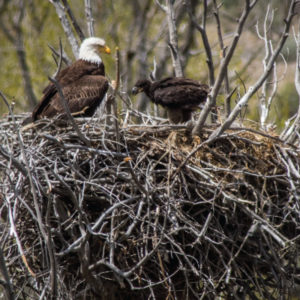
pixel 83 86
pixel 180 96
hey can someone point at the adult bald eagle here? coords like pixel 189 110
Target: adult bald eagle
pixel 83 84
pixel 180 96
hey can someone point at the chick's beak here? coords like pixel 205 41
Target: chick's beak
pixel 135 90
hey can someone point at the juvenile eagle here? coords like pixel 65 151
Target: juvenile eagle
pixel 180 96
pixel 83 84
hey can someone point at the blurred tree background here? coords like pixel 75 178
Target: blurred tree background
pixel 139 28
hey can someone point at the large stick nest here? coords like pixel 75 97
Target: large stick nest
pixel 156 215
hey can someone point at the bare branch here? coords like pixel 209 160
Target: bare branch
pixel 8 288
pixel 244 100
pixel 161 6
pixel 224 63
pixel 265 99
pixel 292 133
pixel 64 57
pixel 114 100
pixel 173 38
pixel 89 17
pixel 223 49
pixel 66 26
pixel 11 159
pixel 73 20
pixel 153 74
pixel 202 30
pixel 60 59
pixel 13 31
pixel 33 187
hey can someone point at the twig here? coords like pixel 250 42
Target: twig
pixel 114 100
pixel 173 38
pixel 89 17
pixel 100 220
pixel 244 100
pixel 291 134
pixel 8 288
pixel 224 63
pixel 60 59
pixel 53 277
pixel 65 58
pixel 223 49
pixel 13 160
pixel 73 20
pixel 66 26
pixel 202 30
pixel 265 100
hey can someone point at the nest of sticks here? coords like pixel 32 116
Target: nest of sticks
pixel 148 213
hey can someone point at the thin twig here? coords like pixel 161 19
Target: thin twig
pixel 202 30
pixel 224 63
pixel 291 134
pixel 244 100
pixel 65 58
pixel 89 17
pixel 223 49
pixel 59 64
pixel 13 160
pixel 114 100
pixel 53 277
pixel 73 20
pixel 8 288
pixel 173 39
pixel 60 10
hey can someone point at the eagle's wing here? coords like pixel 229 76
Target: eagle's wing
pixel 48 93
pixel 66 78
pixel 85 94
pixel 181 95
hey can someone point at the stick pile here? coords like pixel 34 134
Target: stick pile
pixel 156 215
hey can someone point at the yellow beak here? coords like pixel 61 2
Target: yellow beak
pixel 107 50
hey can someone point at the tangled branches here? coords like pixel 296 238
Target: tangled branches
pixel 156 215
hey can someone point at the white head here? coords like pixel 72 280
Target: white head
pixel 91 48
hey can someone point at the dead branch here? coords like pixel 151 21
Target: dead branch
pixel 173 44
pixel 60 10
pixel 223 49
pixel 144 220
pixel 202 30
pixel 33 188
pixel 89 17
pixel 64 56
pixel 224 63
pixel 114 100
pixel 13 31
pixel 8 288
pixel 59 64
pixel 265 98
pixel 244 100
pixel 291 133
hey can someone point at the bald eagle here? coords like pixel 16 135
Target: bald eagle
pixel 180 96
pixel 83 84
